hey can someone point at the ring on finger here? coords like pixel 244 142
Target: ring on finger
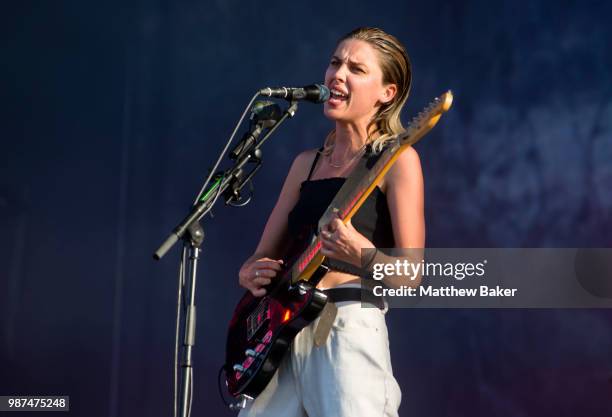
pixel 256 272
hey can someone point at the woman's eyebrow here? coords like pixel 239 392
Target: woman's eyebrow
pixel 350 61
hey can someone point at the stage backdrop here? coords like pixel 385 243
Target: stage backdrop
pixel 113 112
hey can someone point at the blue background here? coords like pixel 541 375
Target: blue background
pixel 113 111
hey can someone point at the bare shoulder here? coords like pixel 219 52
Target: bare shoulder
pixel 306 157
pixel 302 163
pixel 406 169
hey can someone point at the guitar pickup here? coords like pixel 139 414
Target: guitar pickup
pixel 258 318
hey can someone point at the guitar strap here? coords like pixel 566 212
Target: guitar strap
pixel 323 327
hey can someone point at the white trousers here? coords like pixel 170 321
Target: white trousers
pixel 349 376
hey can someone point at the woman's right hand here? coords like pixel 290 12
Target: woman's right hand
pixel 258 273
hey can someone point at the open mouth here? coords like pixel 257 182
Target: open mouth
pixel 337 96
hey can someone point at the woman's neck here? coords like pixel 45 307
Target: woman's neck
pixel 349 138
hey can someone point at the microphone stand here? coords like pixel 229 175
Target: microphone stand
pixel 227 183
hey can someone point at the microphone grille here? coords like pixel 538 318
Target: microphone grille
pixel 323 93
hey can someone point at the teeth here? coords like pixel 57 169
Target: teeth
pixel 337 93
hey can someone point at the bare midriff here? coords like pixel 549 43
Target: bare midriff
pixel 334 278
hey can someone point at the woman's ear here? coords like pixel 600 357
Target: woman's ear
pixel 388 93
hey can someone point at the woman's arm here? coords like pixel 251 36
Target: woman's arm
pixel 405 198
pixel 262 266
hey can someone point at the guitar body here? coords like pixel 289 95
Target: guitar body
pixel 261 332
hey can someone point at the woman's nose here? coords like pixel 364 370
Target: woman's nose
pixel 340 73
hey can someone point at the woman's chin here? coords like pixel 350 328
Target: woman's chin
pixel 332 114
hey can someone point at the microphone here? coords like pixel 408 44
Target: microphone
pixel 264 115
pixel 315 93
pixel 266 112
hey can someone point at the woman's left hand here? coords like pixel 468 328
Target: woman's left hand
pixel 342 242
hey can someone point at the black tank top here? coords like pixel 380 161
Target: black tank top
pixel 371 220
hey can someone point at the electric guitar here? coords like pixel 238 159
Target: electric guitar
pixel 262 328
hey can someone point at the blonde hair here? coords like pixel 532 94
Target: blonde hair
pixel 396 69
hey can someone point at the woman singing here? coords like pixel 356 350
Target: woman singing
pixel 350 374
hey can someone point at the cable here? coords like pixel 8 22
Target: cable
pixel 248 200
pixel 227 404
pixel 227 145
pixel 214 201
pixel 179 303
pixel 182 302
pixel 190 402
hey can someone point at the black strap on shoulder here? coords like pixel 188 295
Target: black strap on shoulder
pixel 314 163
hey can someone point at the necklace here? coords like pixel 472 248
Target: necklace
pixel 360 151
